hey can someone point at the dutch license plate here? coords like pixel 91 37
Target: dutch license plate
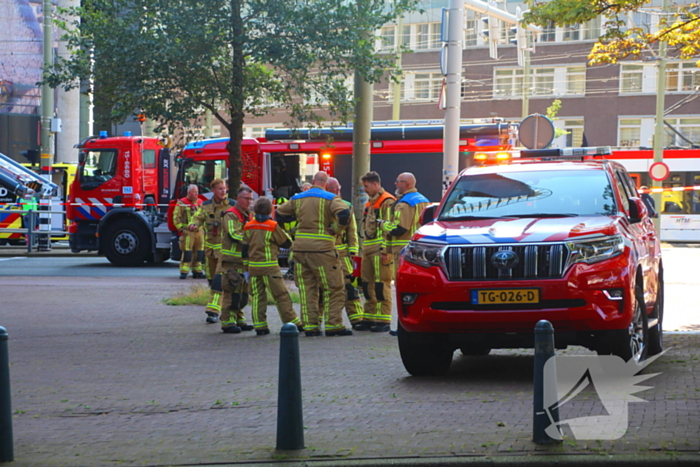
pixel 498 296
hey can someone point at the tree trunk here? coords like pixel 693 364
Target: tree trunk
pixel 235 165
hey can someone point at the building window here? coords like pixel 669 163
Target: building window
pixel 572 32
pixel 388 38
pixel 591 29
pixel 576 80
pixel 422 36
pixel 630 130
pixel 543 81
pixel 631 78
pixel 688 127
pixel 508 83
pixel 471 36
pixel 682 77
pixel 574 135
pixel 549 33
pixel 426 86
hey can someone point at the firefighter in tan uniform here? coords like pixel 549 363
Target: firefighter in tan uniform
pixel 262 240
pixel 230 285
pixel 377 262
pixel 191 242
pixel 210 216
pixel 316 265
pixel 405 215
pixel 347 245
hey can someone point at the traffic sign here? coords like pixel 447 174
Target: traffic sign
pixel 659 171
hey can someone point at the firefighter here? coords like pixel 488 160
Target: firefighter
pixel 262 240
pixel 347 245
pixel 316 265
pixel 377 261
pixel 210 216
pixel 191 242
pixel 405 215
pixel 230 284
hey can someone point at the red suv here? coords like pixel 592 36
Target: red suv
pixel 569 241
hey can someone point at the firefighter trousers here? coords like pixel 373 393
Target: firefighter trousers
pixel 212 262
pixel 259 286
pixel 192 248
pixel 353 305
pixel 314 272
pixel 229 294
pixel 376 286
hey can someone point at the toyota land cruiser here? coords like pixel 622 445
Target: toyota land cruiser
pixel 569 241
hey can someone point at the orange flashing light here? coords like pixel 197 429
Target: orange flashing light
pixel 325 156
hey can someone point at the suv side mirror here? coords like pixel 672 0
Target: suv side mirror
pixel 428 214
pixel 638 210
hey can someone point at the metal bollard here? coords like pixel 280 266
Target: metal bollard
pixel 544 350
pixel 290 419
pixel 6 450
pixel 31 224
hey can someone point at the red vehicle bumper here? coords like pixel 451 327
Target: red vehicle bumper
pixel 577 305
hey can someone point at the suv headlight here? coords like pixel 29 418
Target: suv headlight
pixel 593 251
pixel 424 254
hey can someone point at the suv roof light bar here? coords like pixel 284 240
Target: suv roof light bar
pixel 563 153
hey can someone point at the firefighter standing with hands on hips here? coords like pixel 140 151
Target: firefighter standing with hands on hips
pixel 262 240
pixel 347 245
pixel 191 242
pixel 377 260
pixel 316 264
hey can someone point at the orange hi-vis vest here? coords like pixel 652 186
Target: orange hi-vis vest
pixel 268 225
pixel 378 202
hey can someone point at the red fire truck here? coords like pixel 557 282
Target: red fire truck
pixel 120 197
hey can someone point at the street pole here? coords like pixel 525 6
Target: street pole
pixel 659 123
pixel 396 105
pixel 453 90
pixel 526 79
pixel 47 109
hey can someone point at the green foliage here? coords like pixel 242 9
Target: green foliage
pixel 552 112
pixel 173 59
pixel 680 29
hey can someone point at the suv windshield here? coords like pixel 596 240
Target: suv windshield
pixel 99 167
pixel 534 193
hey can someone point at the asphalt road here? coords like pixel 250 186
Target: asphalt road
pixel 680 263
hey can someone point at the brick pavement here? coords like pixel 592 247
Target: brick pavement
pixel 120 378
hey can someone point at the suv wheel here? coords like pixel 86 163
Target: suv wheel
pixel 429 357
pixel 656 336
pixel 635 343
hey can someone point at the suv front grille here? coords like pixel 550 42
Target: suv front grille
pixel 542 261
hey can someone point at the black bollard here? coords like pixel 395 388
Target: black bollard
pixel 6 450
pixel 31 225
pixel 544 350
pixel 290 419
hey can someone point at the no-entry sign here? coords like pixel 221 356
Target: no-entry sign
pixel 659 171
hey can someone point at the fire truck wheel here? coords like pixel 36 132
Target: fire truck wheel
pixel 424 355
pixel 126 243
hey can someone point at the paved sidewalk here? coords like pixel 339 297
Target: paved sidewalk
pixel 104 373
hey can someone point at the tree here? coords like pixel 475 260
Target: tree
pixel 680 29
pixel 172 59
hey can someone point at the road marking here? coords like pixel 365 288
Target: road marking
pixel 15 257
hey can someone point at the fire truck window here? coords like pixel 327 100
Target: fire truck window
pixel 202 173
pixel 148 157
pixel 99 167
